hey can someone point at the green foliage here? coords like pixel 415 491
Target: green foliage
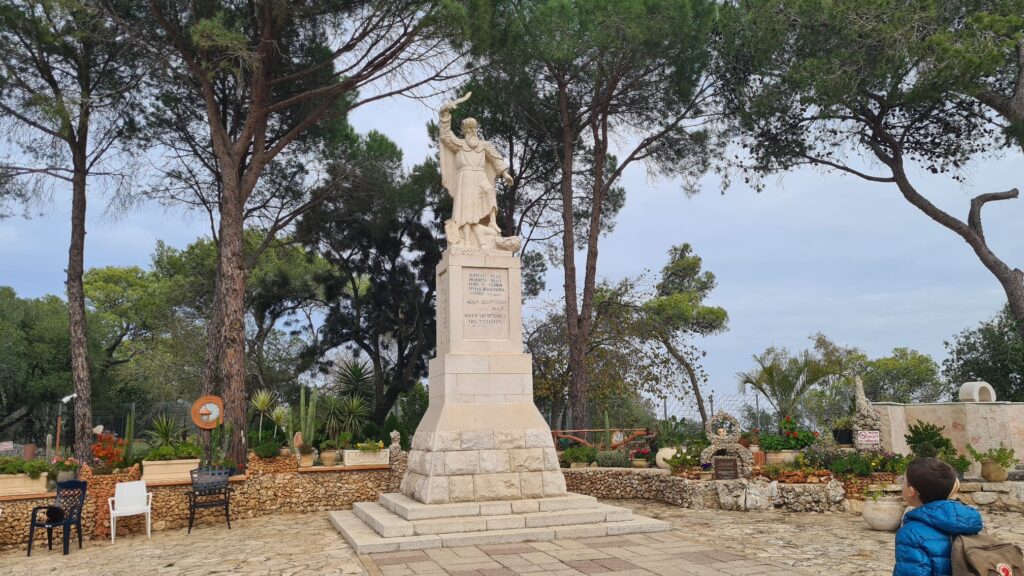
pixel 268 449
pixel 1002 456
pixel 579 453
pixel 164 431
pixel 612 459
pixel 791 437
pixel 262 401
pixel 784 379
pixel 959 462
pixel 370 446
pixel 843 423
pixel 856 463
pixel 927 441
pixel 13 465
pixel 307 423
pixel 328 445
pixel 992 352
pixel 907 376
pixel 129 437
pixel 669 433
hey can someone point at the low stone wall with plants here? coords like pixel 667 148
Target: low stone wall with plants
pixel 659 485
pixel 272 486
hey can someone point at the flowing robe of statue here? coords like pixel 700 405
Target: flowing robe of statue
pixel 469 167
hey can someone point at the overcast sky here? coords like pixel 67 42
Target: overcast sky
pixel 813 252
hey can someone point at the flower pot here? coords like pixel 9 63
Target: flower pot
pixel 306 460
pixel 284 451
pixel 780 457
pixel 366 458
pixel 661 457
pixel 884 513
pixel 169 470
pixel 639 463
pixel 843 436
pixel 14 484
pixel 329 458
pixel 993 472
pixel 579 465
pixel 707 475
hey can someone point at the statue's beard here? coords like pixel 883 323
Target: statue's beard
pixel 472 140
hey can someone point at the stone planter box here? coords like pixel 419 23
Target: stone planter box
pixel 780 457
pixel 360 458
pixel 169 470
pixel 15 484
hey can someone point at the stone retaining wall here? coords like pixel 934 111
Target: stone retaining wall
pixel 272 486
pixel 656 484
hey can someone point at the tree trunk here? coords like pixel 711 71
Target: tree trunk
pixel 210 381
pixel 692 374
pixel 231 269
pixel 76 317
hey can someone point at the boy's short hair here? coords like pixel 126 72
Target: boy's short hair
pixel 932 478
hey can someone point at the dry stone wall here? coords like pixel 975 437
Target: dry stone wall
pixel 742 494
pixel 273 486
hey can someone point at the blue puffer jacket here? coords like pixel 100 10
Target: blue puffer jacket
pixel 923 543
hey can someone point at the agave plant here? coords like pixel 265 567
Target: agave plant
pixel 281 419
pixel 164 431
pixel 262 401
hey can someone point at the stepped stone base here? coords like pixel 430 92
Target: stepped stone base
pixel 397 522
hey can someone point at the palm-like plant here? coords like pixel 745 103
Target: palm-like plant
pixel 164 431
pixel 262 401
pixel 354 413
pixel 355 378
pixel 783 379
pixel 331 416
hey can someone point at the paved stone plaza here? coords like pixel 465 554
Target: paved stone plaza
pixel 702 542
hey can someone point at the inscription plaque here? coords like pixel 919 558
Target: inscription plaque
pixel 727 468
pixel 485 304
pixel 868 439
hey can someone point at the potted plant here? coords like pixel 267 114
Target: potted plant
pixel 881 512
pixel 171 462
pixel 64 468
pixel 782 448
pixel 329 452
pixel 306 455
pixel 639 457
pixel 926 440
pixel 706 471
pixel 669 437
pixel 579 456
pixel 995 462
pixel 842 430
pixel 19 476
pixel 367 453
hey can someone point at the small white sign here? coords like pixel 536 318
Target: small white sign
pixel 869 439
pixel 6 446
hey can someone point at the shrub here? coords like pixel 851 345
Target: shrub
pixel 305 448
pixel 328 445
pixel 268 449
pixel 579 453
pixel 34 468
pixel 187 450
pixel 926 440
pixel 165 452
pixel 959 462
pixel 612 459
pixel 867 463
pixel 370 446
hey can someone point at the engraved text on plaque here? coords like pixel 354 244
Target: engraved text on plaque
pixel 485 305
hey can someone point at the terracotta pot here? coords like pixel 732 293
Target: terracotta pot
pixel 284 451
pixel 759 457
pixel 329 458
pixel 780 457
pixel 993 472
pixel 661 457
pixel 884 513
pixel 28 452
pixel 305 460
pixel 639 463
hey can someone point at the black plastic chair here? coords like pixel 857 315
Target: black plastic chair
pixel 209 490
pixel 65 513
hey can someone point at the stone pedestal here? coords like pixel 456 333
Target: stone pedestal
pixel 482 437
pixel 483 468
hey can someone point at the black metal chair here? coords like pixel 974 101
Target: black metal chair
pixel 209 490
pixel 65 513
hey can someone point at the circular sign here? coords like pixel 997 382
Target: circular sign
pixel 208 412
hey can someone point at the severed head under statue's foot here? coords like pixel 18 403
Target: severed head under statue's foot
pixel 480 236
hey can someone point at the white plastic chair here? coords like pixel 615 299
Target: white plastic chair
pixel 130 499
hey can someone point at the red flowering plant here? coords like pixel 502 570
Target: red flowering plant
pixel 790 437
pixel 108 451
pixel 640 454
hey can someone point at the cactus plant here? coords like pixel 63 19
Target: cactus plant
pixel 307 416
pixel 607 432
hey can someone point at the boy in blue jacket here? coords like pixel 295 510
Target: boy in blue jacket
pixel 923 543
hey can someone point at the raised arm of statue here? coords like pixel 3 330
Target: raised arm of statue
pixel 448 139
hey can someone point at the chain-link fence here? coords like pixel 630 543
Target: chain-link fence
pixel 50 427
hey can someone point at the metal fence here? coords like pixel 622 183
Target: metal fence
pixel 52 426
